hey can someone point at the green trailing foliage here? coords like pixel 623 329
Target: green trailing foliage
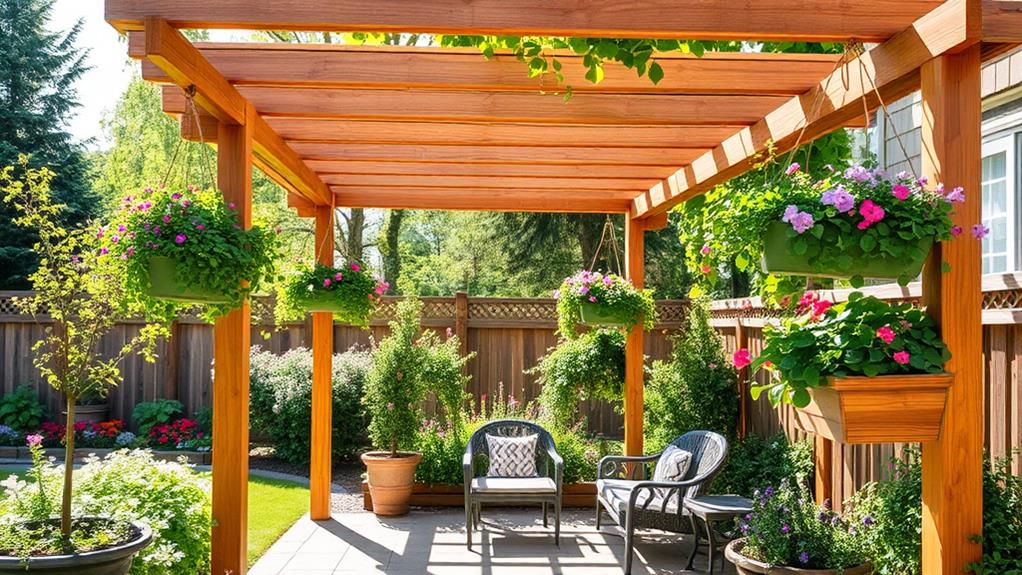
pixel 754 462
pixel 281 401
pixel 862 336
pixel 590 366
pixel 202 234
pixel 21 410
pixel 696 388
pixel 611 293
pixel 157 412
pixel 351 292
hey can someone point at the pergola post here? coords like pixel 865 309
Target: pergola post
pixel 322 387
pixel 952 465
pixel 231 342
pixel 635 265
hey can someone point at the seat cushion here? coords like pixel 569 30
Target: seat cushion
pixel 511 456
pixel 513 485
pixel 616 492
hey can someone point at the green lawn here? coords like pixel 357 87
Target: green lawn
pixel 273 505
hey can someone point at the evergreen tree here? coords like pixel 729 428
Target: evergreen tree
pixel 38 70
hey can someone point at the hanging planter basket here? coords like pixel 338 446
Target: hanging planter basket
pixel 882 409
pixel 164 284
pixel 594 314
pixel 778 258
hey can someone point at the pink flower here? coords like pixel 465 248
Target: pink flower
pixel 901 357
pixel 713 365
pixel 979 231
pixel 592 298
pixel 886 333
pixel 180 239
pixel 820 307
pixel 705 268
pixel 355 267
pixel 230 206
pixel 794 167
pixel 900 191
pixel 956 231
pixel 103 251
pixel 705 250
pixel 338 276
pixel 34 440
pixel 871 214
pixel 175 196
pixel 166 219
pixel 326 282
pixel 607 281
pixel 956 196
pixel 121 228
pixel 742 358
pixel 450 332
pixel 200 227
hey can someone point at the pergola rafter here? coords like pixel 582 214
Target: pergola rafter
pixel 446 129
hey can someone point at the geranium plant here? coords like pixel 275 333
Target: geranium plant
pixel 863 336
pixel 218 260
pixel 350 291
pixel 615 297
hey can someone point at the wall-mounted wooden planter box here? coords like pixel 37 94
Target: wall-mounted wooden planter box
pixel 423 495
pixel 883 409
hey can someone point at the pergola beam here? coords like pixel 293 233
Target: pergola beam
pixel 893 67
pixel 1002 21
pixel 382 67
pixel 808 20
pixel 504 200
pixel 487 169
pixel 633 185
pixel 175 55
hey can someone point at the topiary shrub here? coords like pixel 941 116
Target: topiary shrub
pixel 281 401
pixel 697 388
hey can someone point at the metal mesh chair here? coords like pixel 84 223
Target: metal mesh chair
pixel 634 502
pixel 545 488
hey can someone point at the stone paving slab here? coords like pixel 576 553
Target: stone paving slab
pixel 512 541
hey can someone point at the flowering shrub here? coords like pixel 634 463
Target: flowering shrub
pixel 786 528
pixel 281 401
pixel 590 366
pixel 149 413
pixel 173 435
pixel 609 291
pixel 204 237
pixel 351 292
pixel 9 437
pixel 862 336
pixel 52 433
pixel 102 434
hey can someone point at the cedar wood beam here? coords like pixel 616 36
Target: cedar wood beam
pixel 185 66
pixel 894 66
pixel 807 20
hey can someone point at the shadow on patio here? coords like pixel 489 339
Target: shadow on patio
pixel 511 541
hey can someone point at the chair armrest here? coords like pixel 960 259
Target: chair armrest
pixel 670 486
pixel 610 465
pixel 466 466
pixel 558 467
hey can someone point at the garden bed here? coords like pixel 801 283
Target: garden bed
pixel 81 454
pixel 423 495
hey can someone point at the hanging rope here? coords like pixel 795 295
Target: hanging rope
pixel 206 164
pixel 608 227
pixel 887 115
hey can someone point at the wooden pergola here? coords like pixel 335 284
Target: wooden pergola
pixel 425 128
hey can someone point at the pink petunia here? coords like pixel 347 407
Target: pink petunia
pixel 166 219
pixel 34 440
pixel 871 213
pixel 741 358
pixel 886 334
pixel 180 239
pixel 956 231
pixel 794 167
pixel 355 267
pixel 900 191
pixel 979 231
pixel 592 298
pixel 338 276
pixel 200 227
pixel 956 196
pixel 705 249
pixel 901 357
pixel 326 282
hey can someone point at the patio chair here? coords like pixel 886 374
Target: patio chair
pixel 543 486
pixel 634 502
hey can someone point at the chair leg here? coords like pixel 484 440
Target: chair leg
pixel 599 514
pixel 629 536
pixel 557 523
pixel 545 524
pixel 695 542
pixel 468 522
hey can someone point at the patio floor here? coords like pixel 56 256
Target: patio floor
pixel 428 541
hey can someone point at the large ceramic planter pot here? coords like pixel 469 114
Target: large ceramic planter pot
pixel 164 284
pixel 748 566
pixel 94 413
pixel 114 560
pixel 882 409
pixel 391 480
pixel 778 259
pixel 599 315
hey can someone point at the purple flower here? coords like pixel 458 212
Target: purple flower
pixel 180 239
pixel 121 228
pixel 839 198
pixel 979 231
pixel 956 231
pixel 803 558
pixel 166 218
pixel 583 290
pixel 803 222
pixel 34 440
pixel 103 251
pixel 557 294
pixel 607 281
pixel 860 174
pixel 785 529
pixel 868 520
pixel 956 196
pixel 175 196
pixel 769 492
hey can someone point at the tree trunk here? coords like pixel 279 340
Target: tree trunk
pixel 69 465
pixel 355 238
pixel 391 251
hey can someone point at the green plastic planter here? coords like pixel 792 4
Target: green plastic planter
pixel 598 315
pixel 164 284
pixel 322 300
pixel 778 259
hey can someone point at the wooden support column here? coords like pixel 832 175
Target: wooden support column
pixel 742 342
pixel 823 462
pixel 634 262
pixel 322 386
pixel 952 465
pixel 231 343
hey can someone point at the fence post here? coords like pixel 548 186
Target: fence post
pixel 461 320
pixel 742 342
pixel 170 385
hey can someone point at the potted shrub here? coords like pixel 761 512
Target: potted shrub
pixel 594 298
pixel 351 292
pixel 406 365
pixel 590 366
pixel 82 298
pixel 860 371
pixel 788 534
pixel 187 246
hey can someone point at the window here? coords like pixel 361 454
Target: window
pixel 998 206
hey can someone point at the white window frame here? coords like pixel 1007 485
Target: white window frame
pixel 1006 144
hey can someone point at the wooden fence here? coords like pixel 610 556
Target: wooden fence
pixel 508 337
pixel 741 323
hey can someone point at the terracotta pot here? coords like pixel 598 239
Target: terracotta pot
pixel 115 560
pixel 391 480
pixel 749 566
